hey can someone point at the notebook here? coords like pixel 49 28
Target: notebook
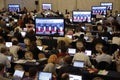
pixel 44 76
pixel 75 77
pixel 78 64
pixel 71 51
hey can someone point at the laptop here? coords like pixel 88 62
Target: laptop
pixel 44 76
pixel 18 73
pixel 40 47
pixel 86 38
pixel 78 64
pixel 71 51
pixel 75 77
pixel 8 44
pixel 23 34
pixel 9 58
pixel 105 38
pixel 88 52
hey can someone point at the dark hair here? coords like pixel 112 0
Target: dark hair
pixel 1 66
pixel 68 59
pixel 3 50
pixel 32 71
pixel 1 40
pixel 82 49
pixel 105 49
pixel 14 42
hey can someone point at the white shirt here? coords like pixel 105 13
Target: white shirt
pixel 104 57
pixel 82 57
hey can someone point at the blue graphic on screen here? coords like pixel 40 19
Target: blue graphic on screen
pixel 50 27
pixel 46 6
pixel 44 76
pixel 99 10
pixel 14 7
pixel 108 5
pixel 81 16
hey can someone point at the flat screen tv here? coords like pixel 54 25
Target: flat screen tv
pixel 109 5
pixel 13 7
pixel 46 6
pixel 99 10
pixel 49 27
pixel 81 16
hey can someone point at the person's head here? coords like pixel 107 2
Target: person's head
pixel 14 42
pixel 38 42
pixel 98 47
pixel 41 55
pixel 52 58
pixel 28 55
pixel 27 41
pixel 2 41
pixel 68 59
pixel 63 49
pixel 105 49
pixel 4 50
pixel 32 72
pixel 2 68
pixel 79 44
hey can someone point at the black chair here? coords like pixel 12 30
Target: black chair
pixel 103 65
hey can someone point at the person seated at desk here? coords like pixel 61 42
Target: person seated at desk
pixel 104 56
pixel 32 74
pixel 51 65
pixel 81 56
pixel 2 68
pixel 14 49
pixel 3 58
pixel 66 68
pixel 116 57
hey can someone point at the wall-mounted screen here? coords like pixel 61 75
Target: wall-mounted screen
pixel 81 16
pixel 50 26
pixel 13 7
pixel 99 10
pixel 109 5
pixel 46 6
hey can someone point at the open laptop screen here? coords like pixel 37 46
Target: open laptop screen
pixel 79 64
pixel 44 76
pixel 75 77
pixel 71 51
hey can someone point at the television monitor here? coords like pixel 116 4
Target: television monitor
pixel 13 7
pixel 50 27
pixel 46 6
pixel 99 10
pixel 44 76
pixel 75 77
pixel 81 16
pixel 109 5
